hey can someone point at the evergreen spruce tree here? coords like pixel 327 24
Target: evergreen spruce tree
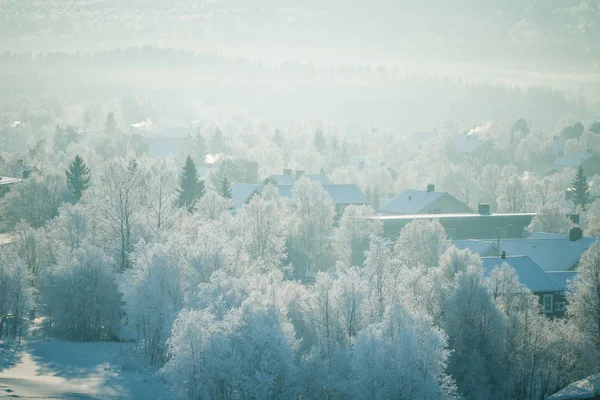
pixel 225 188
pixel 278 139
pixel 191 189
pixel 581 189
pixel 319 141
pixel 110 125
pixel 78 177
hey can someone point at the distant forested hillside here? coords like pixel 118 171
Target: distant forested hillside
pixel 511 32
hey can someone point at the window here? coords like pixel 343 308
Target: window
pixel 561 306
pixel 547 303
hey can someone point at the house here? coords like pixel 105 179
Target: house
pixel 464 226
pixel 360 163
pixel 422 137
pixel 552 252
pixel 6 239
pixel 549 292
pixel 589 162
pixel 484 248
pixel 424 202
pixel 341 195
pixel 6 183
pixel 162 141
pixel 585 389
pixel 469 145
pixel 289 178
pixel 20 170
pixel 558 145
pixel 563 278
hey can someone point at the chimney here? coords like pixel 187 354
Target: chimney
pixel 484 209
pixel 430 188
pixel 361 165
pixel 287 171
pixel 503 255
pixel 299 173
pixel 575 234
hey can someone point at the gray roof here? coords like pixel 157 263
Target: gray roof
pixel 480 247
pixel 572 159
pixel 340 194
pixel 240 192
pixel 5 180
pixel 559 144
pixel 414 201
pixel 552 252
pixel 586 388
pixel 421 137
pixel 161 146
pixel 465 144
pixel 346 194
pixel 563 277
pixel 530 274
pixel 411 201
pixel 291 179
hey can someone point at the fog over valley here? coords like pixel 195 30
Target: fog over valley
pixel 299 199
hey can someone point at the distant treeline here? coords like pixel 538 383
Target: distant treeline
pixel 289 91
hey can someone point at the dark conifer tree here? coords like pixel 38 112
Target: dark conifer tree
pixel 78 177
pixel 319 141
pixel 580 189
pixel 225 188
pixel 191 188
pixel 278 139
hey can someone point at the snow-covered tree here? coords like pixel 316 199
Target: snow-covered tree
pixel 354 231
pixel 511 193
pixel 584 298
pixel 16 299
pixel 119 197
pixel 35 200
pixel 248 354
pixel 81 297
pixel 379 269
pixel 550 218
pixel 402 357
pixel 264 221
pixel 313 224
pixel 420 243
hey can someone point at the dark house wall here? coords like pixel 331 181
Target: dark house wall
pixel 469 227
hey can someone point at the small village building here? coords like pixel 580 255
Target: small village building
pixel 588 161
pixel 534 278
pixel 425 202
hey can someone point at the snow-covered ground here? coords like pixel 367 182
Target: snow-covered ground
pixel 53 369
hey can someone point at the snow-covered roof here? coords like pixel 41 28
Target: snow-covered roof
pixel 340 194
pixel 421 137
pixel 6 238
pixel 411 201
pixel 5 180
pixel 466 144
pixel 240 192
pixel 572 159
pixel 563 277
pixel 480 247
pixel 346 194
pixel 415 201
pixel 552 252
pixel 290 179
pixel 559 144
pixel 584 389
pixel 530 274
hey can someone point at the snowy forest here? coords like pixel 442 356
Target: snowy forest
pixel 120 223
